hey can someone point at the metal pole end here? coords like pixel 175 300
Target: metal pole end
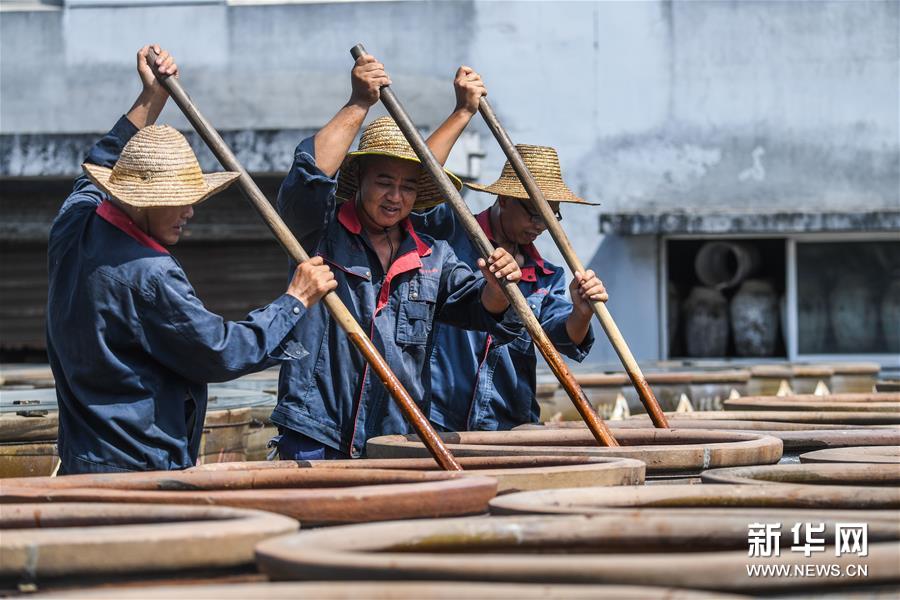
pixel 357 51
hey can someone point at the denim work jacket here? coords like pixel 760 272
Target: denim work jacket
pixel 332 396
pixel 130 344
pixel 477 384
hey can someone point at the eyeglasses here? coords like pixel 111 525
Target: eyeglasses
pixel 536 218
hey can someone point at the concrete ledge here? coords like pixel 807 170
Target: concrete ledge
pixel 261 151
pixel 60 155
pixel 781 222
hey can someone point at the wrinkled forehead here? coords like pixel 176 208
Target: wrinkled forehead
pixel 395 168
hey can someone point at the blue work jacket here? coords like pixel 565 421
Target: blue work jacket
pixel 332 396
pixel 477 384
pixel 130 344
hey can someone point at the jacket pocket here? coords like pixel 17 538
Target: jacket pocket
pixel 416 311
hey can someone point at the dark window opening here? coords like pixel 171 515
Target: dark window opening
pixel 725 298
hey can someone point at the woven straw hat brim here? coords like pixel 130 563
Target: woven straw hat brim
pixel 161 192
pixel 427 195
pixel 543 163
pixel 517 190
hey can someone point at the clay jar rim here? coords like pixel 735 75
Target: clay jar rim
pixel 666 451
pixel 216 537
pixel 854 454
pixel 877 475
pixel 472 465
pixel 678 496
pixel 466 549
pixel 398 590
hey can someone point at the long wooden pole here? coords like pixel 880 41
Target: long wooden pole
pixel 539 202
pixel 331 300
pixel 596 425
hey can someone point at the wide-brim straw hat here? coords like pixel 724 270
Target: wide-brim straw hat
pixel 158 168
pixel 543 163
pixel 383 138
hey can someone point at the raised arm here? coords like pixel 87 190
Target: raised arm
pixel 153 96
pixel 469 89
pixel 179 331
pixel 334 139
pixel 143 112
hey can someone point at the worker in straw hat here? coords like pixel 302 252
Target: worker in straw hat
pixel 478 384
pixel 351 209
pixel 130 344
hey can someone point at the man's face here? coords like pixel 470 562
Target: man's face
pixel 518 223
pixel 166 224
pixel 387 189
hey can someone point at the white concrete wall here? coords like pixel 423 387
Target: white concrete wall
pixel 700 106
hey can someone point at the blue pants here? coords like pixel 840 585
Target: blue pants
pixel 296 446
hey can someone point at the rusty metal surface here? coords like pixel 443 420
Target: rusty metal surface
pixel 861 454
pixel 43 541
pixel 709 553
pixel 244 479
pixel 811 474
pixel 396 590
pixel 808 502
pixel 797 437
pixel 887 385
pixel 33 428
pixel 313 496
pixel 664 451
pixel 684 421
pixel 874 402
pixel 27 459
pixel 513 473
pixel 25 375
pixel 795 416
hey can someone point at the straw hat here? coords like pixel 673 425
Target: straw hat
pixel 543 163
pixel 158 168
pixel 383 138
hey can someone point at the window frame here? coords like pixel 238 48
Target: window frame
pixel 887 360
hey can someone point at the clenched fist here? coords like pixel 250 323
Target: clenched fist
pixel 586 289
pixel 312 280
pixel 165 63
pixel 469 88
pixel 499 265
pixel 366 80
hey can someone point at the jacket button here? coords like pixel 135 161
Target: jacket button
pixel 414 295
pixel 368 275
pixel 532 307
pixel 296 310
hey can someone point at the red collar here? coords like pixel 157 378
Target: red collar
pixel 410 261
pixel 116 217
pixel 348 217
pixel 530 250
